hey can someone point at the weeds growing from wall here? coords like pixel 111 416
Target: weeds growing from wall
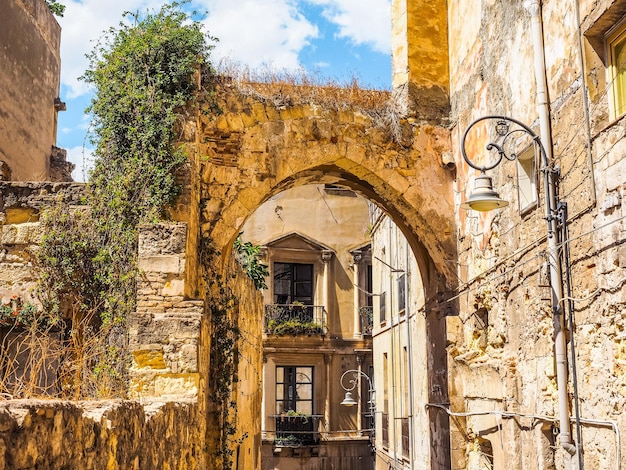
pixel 286 89
pixel 247 254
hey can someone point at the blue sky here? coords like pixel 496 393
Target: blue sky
pixel 337 38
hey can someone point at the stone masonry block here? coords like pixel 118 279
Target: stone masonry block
pixel 21 234
pixel 174 287
pixel 162 264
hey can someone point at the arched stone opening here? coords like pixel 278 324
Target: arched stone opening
pixel 256 150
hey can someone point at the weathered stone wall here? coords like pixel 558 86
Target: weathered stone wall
pixel 97 435
pixel 29 84
pixel 164 341
pixel 20 207
pixel 420 69
pixel 501 344
pixel 266 141
pixel 164 332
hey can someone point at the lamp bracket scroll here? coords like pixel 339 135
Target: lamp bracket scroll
pixel 484 197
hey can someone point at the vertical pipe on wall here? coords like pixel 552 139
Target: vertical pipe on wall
pixel 585 103
pixel 392 331
pixel 407 307
pixel 356 258
pixel 556 283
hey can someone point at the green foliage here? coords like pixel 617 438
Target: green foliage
pixel 304 418
pixel 224 357
pixel 293 326
pixel 247 255
pixel 145 74
pixel 56 7
pixel 17 313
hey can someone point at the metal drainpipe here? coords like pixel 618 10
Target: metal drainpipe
pixel 407 272
pixel 560 350
pixel 392 331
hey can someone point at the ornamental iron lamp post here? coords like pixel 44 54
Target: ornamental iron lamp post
pixel 353 382
pixel 485 198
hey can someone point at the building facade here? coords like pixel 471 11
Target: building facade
pixel 399 349
pixel 30 42
pixel 534 326
pixel 316 328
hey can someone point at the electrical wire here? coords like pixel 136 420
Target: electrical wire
pixel 553 419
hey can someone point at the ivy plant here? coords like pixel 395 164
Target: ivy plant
pixel 56 7
pixel 247 254
pixel 144 73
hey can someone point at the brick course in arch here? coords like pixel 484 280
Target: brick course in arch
pixel 255 149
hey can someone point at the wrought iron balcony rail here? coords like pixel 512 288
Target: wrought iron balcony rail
pixel 294 319
pixel 297 430
pixel 367 319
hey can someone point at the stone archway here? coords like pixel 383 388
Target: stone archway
pixel 262 144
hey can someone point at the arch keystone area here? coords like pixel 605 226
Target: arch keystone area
pixel 271 138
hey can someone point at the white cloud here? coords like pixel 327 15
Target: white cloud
pixel 82 24
pixel 251 32
pixel 255 33
pixel 82 157
pixel 363 22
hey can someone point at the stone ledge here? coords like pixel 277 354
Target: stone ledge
pixel 101 434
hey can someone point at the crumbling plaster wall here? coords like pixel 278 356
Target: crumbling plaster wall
pixel 501 351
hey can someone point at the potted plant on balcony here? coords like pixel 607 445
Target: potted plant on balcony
pixel 295 416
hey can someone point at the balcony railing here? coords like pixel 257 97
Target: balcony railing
pixel 367 319
pixel 297 430
pixel 294 320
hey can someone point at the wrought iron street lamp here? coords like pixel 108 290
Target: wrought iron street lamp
pixel 485 198
pixel 351 380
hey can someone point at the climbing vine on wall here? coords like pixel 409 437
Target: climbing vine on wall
pixel 145 73
pixel 247 254
pixel 224 355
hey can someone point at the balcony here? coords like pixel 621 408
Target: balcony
pixel 294 319
pixel 295 431
pixel 367 320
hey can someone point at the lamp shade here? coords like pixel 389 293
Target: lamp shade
pixel 348 400
pixel 483 198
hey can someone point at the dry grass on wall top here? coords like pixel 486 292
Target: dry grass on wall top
pixel 285 89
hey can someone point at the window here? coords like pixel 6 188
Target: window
pixel 385 411
pixel 616 48
pixel 527 179
pixel 293 283
pixel 369 285
pixel 402 293
pixel 383 307
pixel 294 389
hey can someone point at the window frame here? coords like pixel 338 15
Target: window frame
pixel 382 308
pixel 528 155
pixel 293 398
pixel 612 37
pixel 292 296
pixel 401 284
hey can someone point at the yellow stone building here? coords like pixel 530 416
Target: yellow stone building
pixel 316 328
